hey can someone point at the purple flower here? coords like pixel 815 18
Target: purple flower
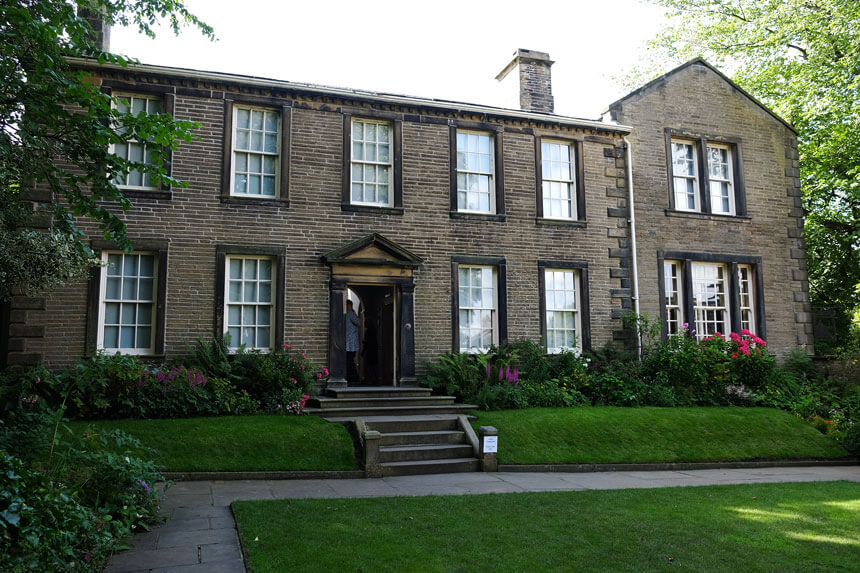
pixel 144 486
pixel 489 367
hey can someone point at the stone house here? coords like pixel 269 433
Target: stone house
pixel 451 226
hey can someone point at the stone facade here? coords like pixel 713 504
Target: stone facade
pixel 698 103
pixel 189 229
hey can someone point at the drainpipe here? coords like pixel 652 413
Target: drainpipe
pixel 635 297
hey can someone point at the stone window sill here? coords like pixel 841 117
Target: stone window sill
pixel 560 223
pixel 708 216
pixel 500 217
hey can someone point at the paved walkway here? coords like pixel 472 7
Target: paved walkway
pixel 200 534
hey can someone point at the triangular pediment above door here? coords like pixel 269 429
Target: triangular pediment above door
pixel 373 249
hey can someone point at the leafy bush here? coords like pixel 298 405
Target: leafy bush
pixel 73 502
pixel 851 439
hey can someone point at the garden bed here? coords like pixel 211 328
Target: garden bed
pixel 593 435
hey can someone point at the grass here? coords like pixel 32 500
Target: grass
pixel 761 527
pixel 630 435
pixel 237 443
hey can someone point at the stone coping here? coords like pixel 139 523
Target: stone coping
pixel 262 475
pixel 675 466
pixel 569 468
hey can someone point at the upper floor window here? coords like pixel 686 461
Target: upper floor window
pixel 475 186
pixel 372 166
pixel 721 179
pixel 704 175
pixel 685 176
pixel 558 173
pixel 127 300
pixel 256 152
pixel 134 149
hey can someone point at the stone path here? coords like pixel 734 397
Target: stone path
pixel 200 534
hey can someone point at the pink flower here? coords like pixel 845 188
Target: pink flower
pixel 287 345
pixel 719 335
pixel 303 367
pixel 735 337
pixel 325 371
pixel 746 332
pixel 319 376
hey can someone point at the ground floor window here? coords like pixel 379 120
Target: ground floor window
pixel 249 302
pixel 479 315
pixel 562 310
pixel 249 296
pixel 127 302
pixel 478 301
pixel 711 293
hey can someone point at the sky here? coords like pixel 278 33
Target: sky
pixel 445 49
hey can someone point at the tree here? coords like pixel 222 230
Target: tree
pixel 56 132
pixel 802 59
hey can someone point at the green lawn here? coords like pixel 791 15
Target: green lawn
pixel 629 435
pixel 236 443
pixel 762 527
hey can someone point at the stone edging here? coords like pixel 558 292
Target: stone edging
pixel 673 466
pixel 262 475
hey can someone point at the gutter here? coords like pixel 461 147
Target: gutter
pixel 635 267
pixel 378 97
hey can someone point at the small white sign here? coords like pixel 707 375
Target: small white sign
pixel 491 444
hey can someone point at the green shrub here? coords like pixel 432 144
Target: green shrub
pixel 851 439
pixel 74 502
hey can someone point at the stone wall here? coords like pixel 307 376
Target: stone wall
pixel 195 220
pixel 697 99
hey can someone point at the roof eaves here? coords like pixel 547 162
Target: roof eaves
pixel 446 105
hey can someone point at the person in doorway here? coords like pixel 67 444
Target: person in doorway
pixel 352 343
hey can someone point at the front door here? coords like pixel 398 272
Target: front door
pixel 377 358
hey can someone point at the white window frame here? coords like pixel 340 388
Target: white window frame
pixel 673 288
pixel 548 182
pixel 685 178
pixel 489 174
pixel 705 287
pixel 571 278
pixel 720 181
pixel 276 155
pixel 255 304
pixel 131 97
pixel 746 297
pixel 104 301
pixel 493 310
pixel 378 166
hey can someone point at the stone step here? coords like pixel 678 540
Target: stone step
pixel 427 437
pixel 394 424
pixel 376 402
pixel 390 411
pixel 378 392
pixel 416 452
pixel 430 467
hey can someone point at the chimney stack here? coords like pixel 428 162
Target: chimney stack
pixel 101 29
pixel 535 81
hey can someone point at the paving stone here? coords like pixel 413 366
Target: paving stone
pixel 232 566
pixel 187 500
pixel 185 525
pixel 220 552
pixel 221 523
pixel 137 560
pixel 180 538
pixel 202 511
